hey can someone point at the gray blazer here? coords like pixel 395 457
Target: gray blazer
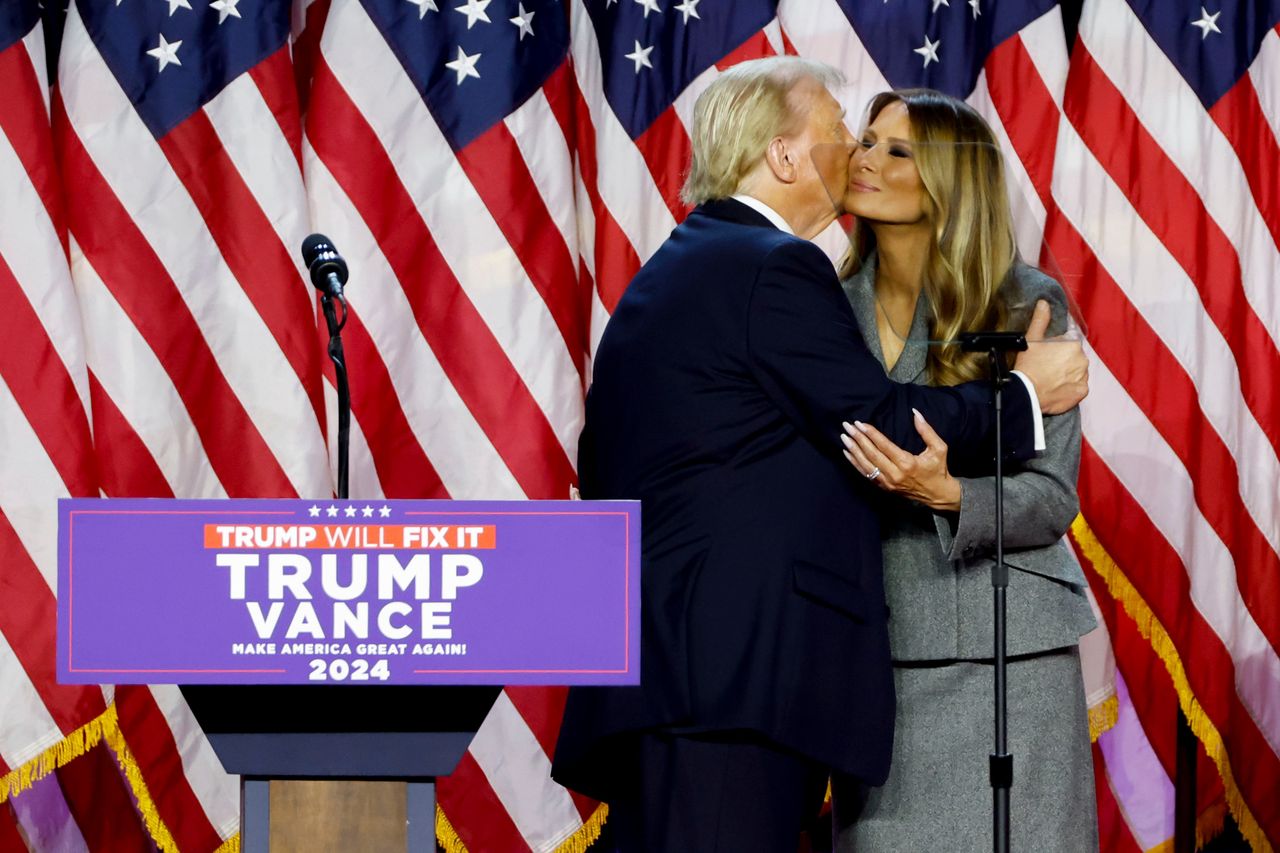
pixel 937 566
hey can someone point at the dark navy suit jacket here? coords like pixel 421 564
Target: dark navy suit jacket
pixel 719 388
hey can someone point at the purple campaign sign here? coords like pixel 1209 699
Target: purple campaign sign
pixel 377 592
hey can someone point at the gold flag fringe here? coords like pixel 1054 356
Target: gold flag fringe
pixel 1103 716
pixel 1149 626
pixel 146 806
pixel 586 834
pixel 105 726
pixel 581 839
pixel 446 835
pixel 69 748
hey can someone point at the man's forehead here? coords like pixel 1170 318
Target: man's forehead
pixel 815 95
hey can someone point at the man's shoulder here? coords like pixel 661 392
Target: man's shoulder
pixel 730 245
pixel 731 219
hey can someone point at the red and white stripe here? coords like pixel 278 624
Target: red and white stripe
pixel 485 381
pixel 236 343
pixel 1169 233
pixel 46 455
pixel 203 371
pixel 46 452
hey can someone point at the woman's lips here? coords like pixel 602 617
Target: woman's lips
pixel 859 186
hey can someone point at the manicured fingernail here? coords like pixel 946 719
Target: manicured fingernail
pixel 916 412
pixel 848 427
pixel 849 456
pixel 848 442
pixel 860 425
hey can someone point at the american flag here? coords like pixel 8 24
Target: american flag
pixel 495 172
pixel 165 317
pixel 47 449
pixel 47 454
pixel 1165 209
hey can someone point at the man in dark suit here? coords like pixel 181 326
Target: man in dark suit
pixel 719 391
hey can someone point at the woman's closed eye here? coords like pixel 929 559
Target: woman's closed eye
pixel 896 149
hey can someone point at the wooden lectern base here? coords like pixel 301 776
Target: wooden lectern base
pixel 358 772
pixel 311 816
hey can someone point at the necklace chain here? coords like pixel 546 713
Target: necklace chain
pixel 875 293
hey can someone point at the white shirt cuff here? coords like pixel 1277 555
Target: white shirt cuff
pixel 1037 419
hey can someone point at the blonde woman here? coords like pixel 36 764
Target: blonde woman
pixel 933 255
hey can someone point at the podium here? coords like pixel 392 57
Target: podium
pixel 303 747
pixel 269 612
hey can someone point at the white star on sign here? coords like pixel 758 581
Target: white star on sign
pixel 175 5
pixel 350 512
pixel 313 511
pixel 523 20
pixel 937 3
pixel 166 53
pixel 689 8
pixel 973 4
pixel 649 6
pixel 929 50
pixel 1207 23
pixel 385 511
pixel 367 512
pixel 331 511
pixel 225 9
pixel 424 6
pixel 475 11
pixel 640 56
pixel 464 66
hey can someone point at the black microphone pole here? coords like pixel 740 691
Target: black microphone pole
pixel 329 274
pixel 997 345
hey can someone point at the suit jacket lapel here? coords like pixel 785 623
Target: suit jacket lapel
pixel 861 292
pixel 859 289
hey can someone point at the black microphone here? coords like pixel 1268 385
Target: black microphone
pixel 328 269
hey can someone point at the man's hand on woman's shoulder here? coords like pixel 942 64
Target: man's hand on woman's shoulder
pixel 1057 367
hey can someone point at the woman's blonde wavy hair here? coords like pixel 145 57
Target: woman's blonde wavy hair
pixel 973 250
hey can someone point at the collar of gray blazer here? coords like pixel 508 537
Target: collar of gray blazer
pixel 860 290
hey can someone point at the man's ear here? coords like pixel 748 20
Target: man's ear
pixel 781 157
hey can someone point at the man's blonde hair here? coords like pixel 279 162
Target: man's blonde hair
pixel 737 115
